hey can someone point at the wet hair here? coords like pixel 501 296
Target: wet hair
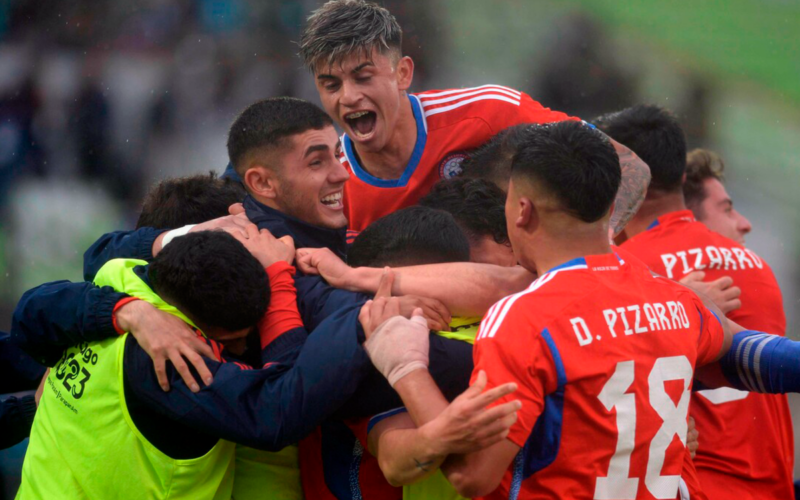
pixel 267 125
pixel 574 162
pixel 492 160
pixel 411 236
pixel 655 135
pixel 701 164
pixel 477 205
pixel 194 199
pixel 212 277
pixel 343 27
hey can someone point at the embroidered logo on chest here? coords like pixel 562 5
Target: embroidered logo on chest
pixel 450 166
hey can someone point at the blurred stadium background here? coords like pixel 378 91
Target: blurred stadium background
pixel 99 99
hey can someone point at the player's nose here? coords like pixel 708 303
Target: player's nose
pixel 742 224
pixel 350 94
pixel 338 173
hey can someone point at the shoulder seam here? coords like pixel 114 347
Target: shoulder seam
pixel 497 313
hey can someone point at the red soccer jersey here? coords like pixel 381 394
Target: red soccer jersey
pixel 335 463
pixel 449 124
pixel 604 355
pixel 746 439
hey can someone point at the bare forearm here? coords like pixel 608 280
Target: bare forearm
pixel 632 189
pixel 478 474
pixel 158 243
pixel 467 289
pixel 407 455
pixel 421 396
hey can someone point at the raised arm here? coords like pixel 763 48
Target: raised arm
pixel 145 243
pixel 465 288
pixel 138 244
pixel 632 189
pixel 61 314
pixel 406 454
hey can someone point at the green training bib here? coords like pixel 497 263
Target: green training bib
pixel 84 444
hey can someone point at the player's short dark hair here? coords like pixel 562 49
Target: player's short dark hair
pixel 411 236
pixel 268 123
pixel 194 199
pixel 477 205
pixel 655 135
pixel 213 278
pixel 343 27
pixel 701 164
pixel 573 161
pixel 492 160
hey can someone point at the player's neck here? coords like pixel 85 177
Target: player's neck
pixel 553 251
pixel 391 161
pixel 657 204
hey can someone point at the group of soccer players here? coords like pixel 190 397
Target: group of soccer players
pixel 431 306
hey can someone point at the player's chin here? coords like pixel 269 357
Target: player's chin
pixel 331 217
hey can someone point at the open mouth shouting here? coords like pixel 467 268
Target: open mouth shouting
pixel 333 201
pixel 362 123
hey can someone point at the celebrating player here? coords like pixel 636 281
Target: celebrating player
pixel 746 445
pixel 397 145
pixel 106 428
pixel 705 195
pixel 604 352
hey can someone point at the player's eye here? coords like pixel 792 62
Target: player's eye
pixel 331 87
pixel 363 79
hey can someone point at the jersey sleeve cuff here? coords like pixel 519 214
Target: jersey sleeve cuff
pixel 279 267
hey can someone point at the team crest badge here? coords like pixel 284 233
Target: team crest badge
pixel 451 165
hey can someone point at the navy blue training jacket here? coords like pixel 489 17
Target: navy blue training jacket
pixel 266 408
pixel 18 372
pixel 450 360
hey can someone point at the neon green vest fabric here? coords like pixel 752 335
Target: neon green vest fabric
pixel 436 486
pixel 84 444
pixel 262 475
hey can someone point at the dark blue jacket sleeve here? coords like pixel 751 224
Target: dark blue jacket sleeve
pixel 57 315
pixel 317 300
pixel 450 366
pixel 136 244
pixel 18 371
pixel 266 408
pixel 16 419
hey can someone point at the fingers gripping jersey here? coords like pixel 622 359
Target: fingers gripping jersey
pixel 756 460
pixel 604 356
pixel 449 124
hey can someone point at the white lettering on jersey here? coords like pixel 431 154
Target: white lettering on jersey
pixel 710 257
pixel 628 320
pixel 583 333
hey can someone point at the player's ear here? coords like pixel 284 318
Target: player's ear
pixel 405 73
pixel 527 216
pixel 261 182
